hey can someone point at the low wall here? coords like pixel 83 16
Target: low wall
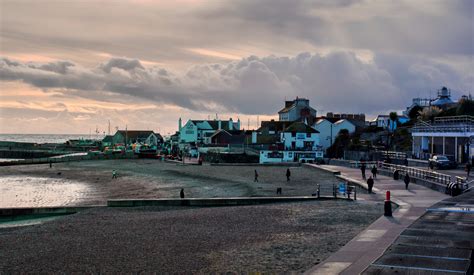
pixel 285 164
pixel 8 214
pixel 210 202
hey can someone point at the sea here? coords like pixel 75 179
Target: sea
pixel 45 138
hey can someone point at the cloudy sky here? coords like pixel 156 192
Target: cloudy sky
pixel 70 66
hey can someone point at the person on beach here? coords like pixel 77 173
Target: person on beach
pixel 362 169
pixel 181 193
pixel 256 176
pixel 374 171
pixel 114 174
pixel 370 184
pixel 406 180
pixel 468 169
pixel 288 174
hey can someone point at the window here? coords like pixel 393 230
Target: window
pixel 308 135
pixel 293 134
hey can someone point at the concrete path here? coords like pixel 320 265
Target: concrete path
pixel 370 244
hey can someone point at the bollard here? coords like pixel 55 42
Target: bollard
pixel 387 205
pixel 355 193
pixel 318 191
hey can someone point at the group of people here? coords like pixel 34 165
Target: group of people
pixel 370 180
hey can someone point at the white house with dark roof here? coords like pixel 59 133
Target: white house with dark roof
pixel 200 131
pixel 300 144
pixel 296 110
pixel 329 128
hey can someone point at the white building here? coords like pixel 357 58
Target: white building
pixel 329 128
pixel 451 136
pixel 200 131
pixel 300 144
pixel 296 110
pixel 384 121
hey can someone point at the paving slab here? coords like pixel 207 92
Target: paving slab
pixel 371 243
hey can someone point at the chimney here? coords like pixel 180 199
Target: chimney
pixel 231 124
pixel 180 124
pixel 219 124
pixel 238 123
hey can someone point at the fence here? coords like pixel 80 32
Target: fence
pixel 417 173
pixel 342 190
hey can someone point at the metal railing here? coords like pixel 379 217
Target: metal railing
pixel 444 128
pixel 412 171
pixel 418 173
pixel 446 124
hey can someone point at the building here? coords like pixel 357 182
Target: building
pixel 226 137
pixel 417 102
pixel 300 144
pixel 329 128
pixel 451 136
pixel 201 131
pixel 358 120
pixel 136 136
pixel 107 141
pixel 384 121
pixel 443 101
pixel 297 110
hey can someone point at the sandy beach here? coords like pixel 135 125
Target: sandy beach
pixel 91 183
pixel 265 238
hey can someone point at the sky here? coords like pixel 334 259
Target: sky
pixel 69 67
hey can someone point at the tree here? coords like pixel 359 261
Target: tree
pixel 394 121
pixel 429 113
pixel 415 112
pixel 465 107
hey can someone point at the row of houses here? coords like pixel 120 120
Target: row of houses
pixel 299 134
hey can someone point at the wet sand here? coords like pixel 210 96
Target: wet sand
pixel 90 182
pixel 264 238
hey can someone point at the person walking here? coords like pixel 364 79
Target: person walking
pixel 288 174
pixel 374 171
pixel 362 169
pixel 114 174
pixel 468 169
pixel 181 193
pixel 406 180
pixel 256 176
pixel 370 184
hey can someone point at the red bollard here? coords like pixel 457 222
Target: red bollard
pixel 387 205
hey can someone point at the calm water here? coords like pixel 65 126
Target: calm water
pixel 38 138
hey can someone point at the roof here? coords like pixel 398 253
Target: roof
pixel 300 127
pixel 134 134
pixel 275 126
pixel 215 123
pixel 108 138
pixel 228 132
pixel 330 119
pixel 342 120
pixel 286 109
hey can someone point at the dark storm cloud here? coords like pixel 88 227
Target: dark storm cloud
pixel 338 82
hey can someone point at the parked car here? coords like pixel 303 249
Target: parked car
pixel 442 162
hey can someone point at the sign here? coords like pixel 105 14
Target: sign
pixel 342 187
pixel 300 136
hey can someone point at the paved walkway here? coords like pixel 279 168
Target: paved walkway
pixel 366 247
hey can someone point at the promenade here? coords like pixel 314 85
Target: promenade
pixel 365 248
